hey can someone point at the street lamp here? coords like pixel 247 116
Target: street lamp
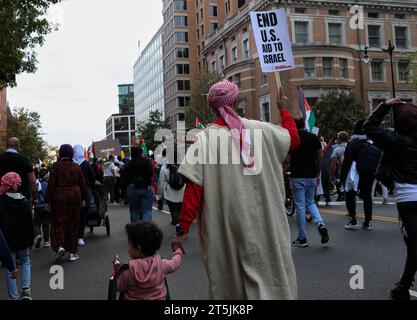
pixel 390 50
pixel 366 56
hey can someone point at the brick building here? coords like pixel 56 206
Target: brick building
pixel 328 54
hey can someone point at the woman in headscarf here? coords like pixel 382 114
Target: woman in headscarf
pixel 398 168
pixel 242 224
pixel 65 196
pixel 16 223
pixel 90 181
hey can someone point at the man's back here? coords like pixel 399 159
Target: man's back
pixel 14 162
pixel 304 159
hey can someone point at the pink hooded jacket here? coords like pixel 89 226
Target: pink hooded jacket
pixel 145 279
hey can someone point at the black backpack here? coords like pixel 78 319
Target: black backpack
pixel 368 157
pixel 175 181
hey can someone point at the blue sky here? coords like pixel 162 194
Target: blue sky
pixel 80 66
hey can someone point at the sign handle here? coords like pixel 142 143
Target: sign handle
pixel 279 84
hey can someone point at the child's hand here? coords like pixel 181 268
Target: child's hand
pixel 115 259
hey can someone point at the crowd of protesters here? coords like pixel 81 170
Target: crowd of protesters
pixel 52 204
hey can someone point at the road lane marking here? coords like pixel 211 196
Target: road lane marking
pixel 166 212
pixel 360 215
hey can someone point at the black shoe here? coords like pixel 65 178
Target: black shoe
pixel 38 242
pixel 324 234
pixel 300 243
pixel 400 292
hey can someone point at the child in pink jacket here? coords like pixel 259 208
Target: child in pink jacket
pixel 144 279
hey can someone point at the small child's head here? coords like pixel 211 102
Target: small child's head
pixel 145 239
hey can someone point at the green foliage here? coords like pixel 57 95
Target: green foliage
pixel 23 28
pixel 338 112
pixel 26 126
pixel 197 107
pixel 148 129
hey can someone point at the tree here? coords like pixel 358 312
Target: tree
pixel 23 28
pixel 338 112
pixel 197 107
pixel 148 129
pixel 26 126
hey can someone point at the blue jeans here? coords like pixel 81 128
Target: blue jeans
pixel 303 191
pixel 24 272
pixel 140 203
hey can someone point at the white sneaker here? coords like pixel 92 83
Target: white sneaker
pixel 351 226
pixel 73 257
pixel 47 244
pixel 385 201
pixel 60 254
pixel 81 242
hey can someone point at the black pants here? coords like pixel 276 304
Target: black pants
pixel 117 189
pixel 175 210
pixel 408 215
pixel 42 223
pixel 109 188
pixel 365 192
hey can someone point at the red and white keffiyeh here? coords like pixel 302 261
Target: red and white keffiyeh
pixel 10 182
pixel 221 96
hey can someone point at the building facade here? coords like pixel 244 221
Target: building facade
pixel 126 98
pixel 328 53
pixel 122 127
pixel 149 80
pixel 180 55
pixel 3 117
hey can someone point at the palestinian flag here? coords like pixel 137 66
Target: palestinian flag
pixel 143 146
pixel 198 124
pixel 134 141
pixel 86 155
pixel 307 112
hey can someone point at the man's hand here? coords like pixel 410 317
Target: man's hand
pixel 178 242
pixel 282 103
pixel 394 101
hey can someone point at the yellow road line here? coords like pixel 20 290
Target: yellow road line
pixel 360 215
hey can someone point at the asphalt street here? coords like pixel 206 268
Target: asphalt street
pixel 323 273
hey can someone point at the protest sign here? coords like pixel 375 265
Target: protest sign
pixel 272 40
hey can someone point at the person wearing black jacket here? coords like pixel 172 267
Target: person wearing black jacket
pixel 6 257
pixel 137 181
pixel 366 156
pixel 16 223
pixel 398 167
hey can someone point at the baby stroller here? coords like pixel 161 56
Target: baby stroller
pixel 96 213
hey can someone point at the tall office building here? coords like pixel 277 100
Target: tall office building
pixel 180 55
pixel 126 98
pixel 328 54
pixel 149 80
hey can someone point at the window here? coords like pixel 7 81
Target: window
pixel 300 10
pixel 400 16
pixel 227 6
pixel 401 37
pixel 335 33
pixel 403 71
pixel 374 36
pixel 246 49
pixel 238 80
pixel 222 64
pixel 181 36
pixel 180 4
pixel 197 17
pixel 182 53
pixel 183 85
pixel 201 14
pixel 241 3
pixel 328 67
pixel 183 69
pixel 202 30
pixel 234 54
pixel 334 12
pixel 213 11
pixel 264 78
pixel 180 21
pixel 343 67
pixel 373 15
pixel 309 67
pixel 265 108
pixel 213 26
pixel 301 31
pixel 377 70
pixel 213 67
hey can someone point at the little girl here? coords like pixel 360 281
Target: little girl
pixel 144 277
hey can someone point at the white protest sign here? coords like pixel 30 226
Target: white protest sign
pixel 272 40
